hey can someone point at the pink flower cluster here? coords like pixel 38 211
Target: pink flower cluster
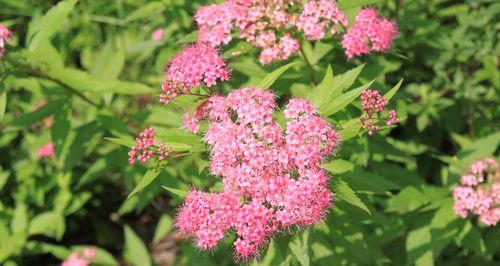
pixel 373 104
pixel 269 24
pixel 83 259
pixel 479 192
pixel 46 151
pixel 146 148
pixel 272 179
pixel 5 36
pixel 195 64
pixel 369 33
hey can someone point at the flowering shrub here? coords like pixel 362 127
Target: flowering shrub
pixel 257 152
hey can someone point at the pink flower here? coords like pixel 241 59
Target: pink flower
pixel 479 192
pixel 272 178
pixel 46 151
pixel 319 15
pixel 373 105
pixel 195 64
pixel 268 24
pixel 5 36
pixel 147 147
pixel 157 35
pixel 77 259
pixel 370 33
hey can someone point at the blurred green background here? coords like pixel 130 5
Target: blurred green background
pixel 75 75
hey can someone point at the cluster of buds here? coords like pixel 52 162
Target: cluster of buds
pixel 272 178
pixel 5 36
pixel 373 105
pixel 479 192
pixel 148 147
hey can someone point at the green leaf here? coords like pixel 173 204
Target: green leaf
pixel 178 192
pixel 3 104
pixel 60 129
pixel 44 27
pixel 124 142
pixel 19 222
pixel 28 119
pixel 149 177
pixel 300 247
pixel 109 63
pixel 342 101
pixel 393 91
pixel 343 191
pixel 146 11
pixel 82 81
pixel 408 199
pixel 338 166
pixel 163 227
pixel 332 87
pixel 317 95
pixel 348 4
pixel 49 223
pixel 270 78
pixel 135 252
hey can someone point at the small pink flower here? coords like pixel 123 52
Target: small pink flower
pixel 157 35
pixel 5 37
pixel 196 64
pixel 46 151
pixel 83 259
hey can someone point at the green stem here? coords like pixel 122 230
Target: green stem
pixel 311 69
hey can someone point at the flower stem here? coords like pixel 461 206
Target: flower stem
pixel 311 69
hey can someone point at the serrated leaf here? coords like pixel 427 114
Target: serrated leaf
pixel 135 252
pixel 343 191
pixel 342 101
pixel 149 177
pixel 270 78
pixel 178 192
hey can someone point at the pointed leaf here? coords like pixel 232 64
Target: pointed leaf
pixel 270 78
pixel 149 177
pixel 178 192
pixel 393 91
pixel 342 101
